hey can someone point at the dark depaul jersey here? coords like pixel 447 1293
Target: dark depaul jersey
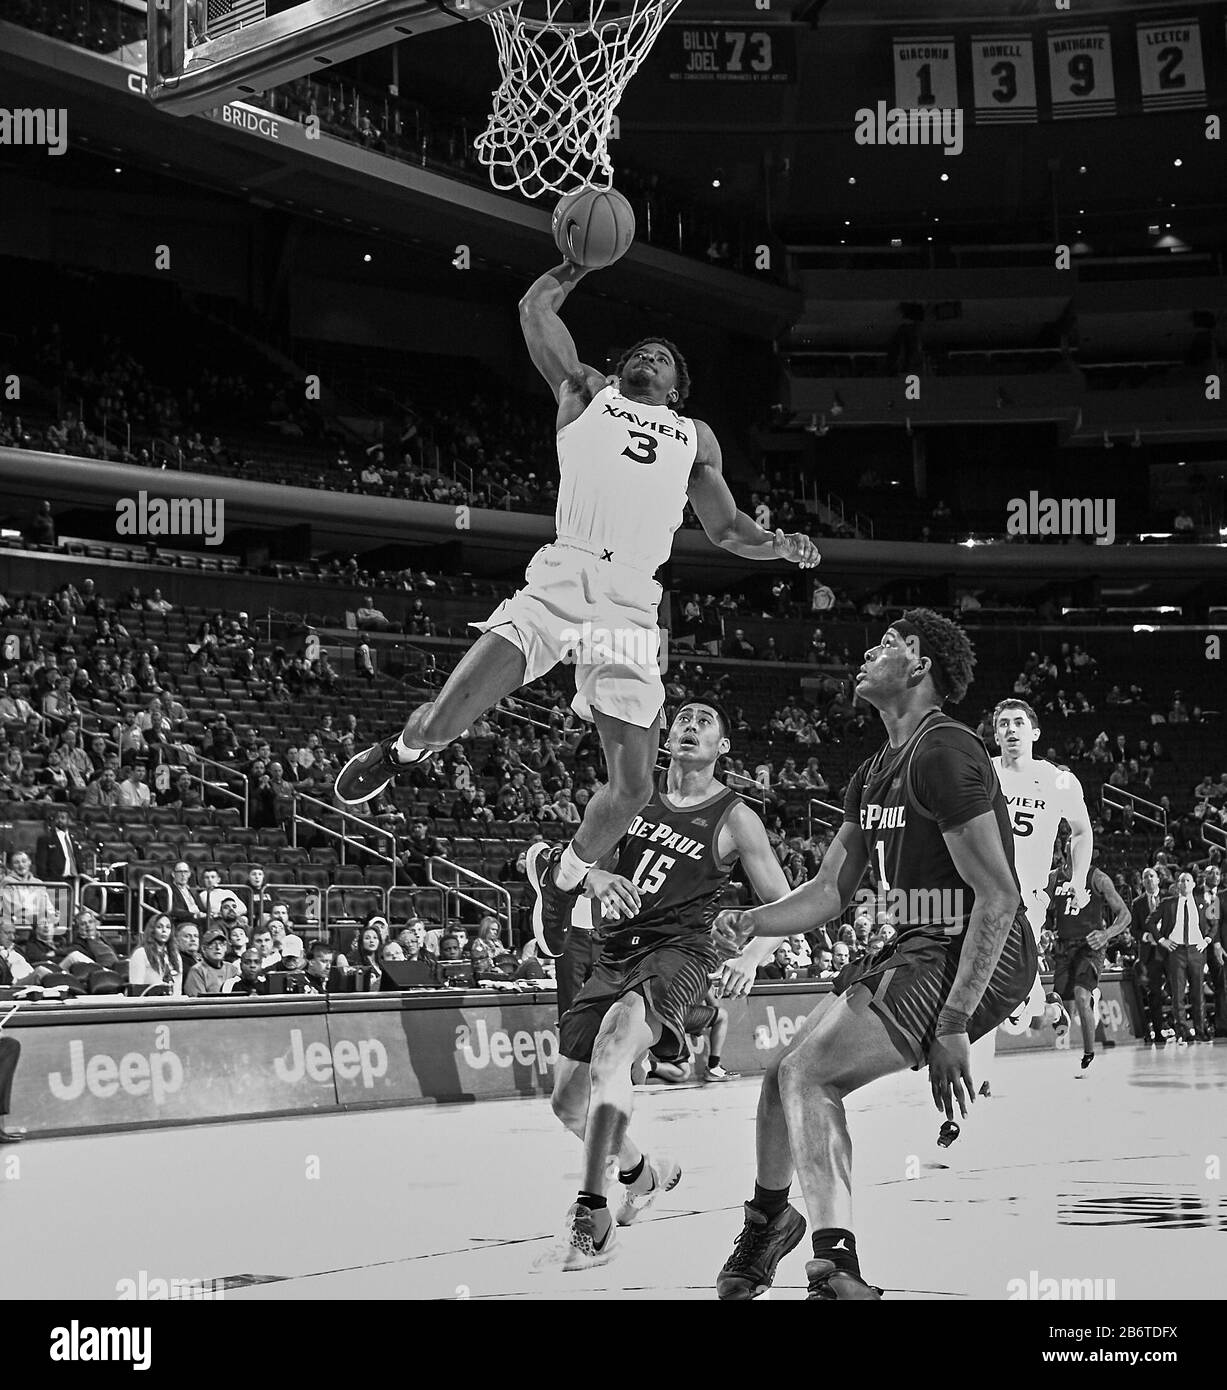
pixel 902 800
pixel 1068 924
pixel 669 854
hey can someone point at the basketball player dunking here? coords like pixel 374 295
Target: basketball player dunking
pixel 670 871
pixel 1078 919
pixel 928 811
pixel 1038 796
pixel 628 462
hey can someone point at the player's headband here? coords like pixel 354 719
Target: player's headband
pixel 906 629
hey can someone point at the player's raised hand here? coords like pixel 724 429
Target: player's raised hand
pixel 950 1073
pixel 796 547
pixel 617 896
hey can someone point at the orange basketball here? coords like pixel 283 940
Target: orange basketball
pixel 593 227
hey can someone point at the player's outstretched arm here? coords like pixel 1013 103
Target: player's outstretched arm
pixel 549 341
pixel 729 528
pixel 747 839
pixel 823 897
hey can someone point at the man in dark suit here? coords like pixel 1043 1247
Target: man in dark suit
pixel 57 855
pixel 10 1051
pixel 183 905
pixel 1149 972
pixel 1178 926
pixel 1211 900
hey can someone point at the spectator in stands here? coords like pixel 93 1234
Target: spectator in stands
pixel 44 952
pixel 157 604
pixel 42 528
pixel 209 975
pixel 236 936
pixel 184 906
pixel 156 960
pixel 103 791
pixel 12 962
pixel 738 646
pixel 24 900
pixel 88 943
pixel 15 710
pixel 391 951
pixel 363 664
pixel 292 954
pixel 129 737
pixel 482 958
pixel 419 847
pixel 412 938
pixel 778 966
pixel 262 940
pixel 251 979
pixel 57 854
pixel 187 944
pixel 562 810
pixel 822 967
pixel 364 953
pixel 213 896
pixel 319 967
pixel 133 791
pixel 450 947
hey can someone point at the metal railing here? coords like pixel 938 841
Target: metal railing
pixel 346 840
pixel 1141 809
pixel 830 816
pixel 848 516
pixel 220 788
pixel 454 891
pixel 1214 836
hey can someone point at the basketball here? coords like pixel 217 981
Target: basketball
pixel 593 227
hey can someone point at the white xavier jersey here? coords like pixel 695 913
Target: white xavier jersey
pixel 624 468
pixel 1038 796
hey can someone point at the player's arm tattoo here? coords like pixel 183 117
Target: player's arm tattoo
pixel 980 860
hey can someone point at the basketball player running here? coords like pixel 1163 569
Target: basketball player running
pixel 670 871
pixel 928 811
pixel 628 462
pixel 1081 940
pixel 1038 796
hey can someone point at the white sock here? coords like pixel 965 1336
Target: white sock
pixel 406 753
pixel 571 870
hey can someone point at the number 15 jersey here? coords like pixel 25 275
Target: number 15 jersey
pixel 1039 796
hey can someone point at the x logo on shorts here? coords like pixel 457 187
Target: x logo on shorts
pixel 607 555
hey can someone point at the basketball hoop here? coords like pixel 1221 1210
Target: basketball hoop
pixel 562 79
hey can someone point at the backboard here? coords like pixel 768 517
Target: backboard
pixel 203 53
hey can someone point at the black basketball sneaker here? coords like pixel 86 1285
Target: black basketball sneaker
pixel 552 905
pixel 829 1284
pixel 762 1244
pixel 371 771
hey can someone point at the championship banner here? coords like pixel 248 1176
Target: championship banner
pixel 1003 78
pixel 1170 64
pixel 1080 73
pixel 729 53
pixel 925 74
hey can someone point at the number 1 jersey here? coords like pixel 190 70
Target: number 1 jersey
pixel 903 800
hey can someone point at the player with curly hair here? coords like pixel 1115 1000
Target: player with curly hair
pixel 927 814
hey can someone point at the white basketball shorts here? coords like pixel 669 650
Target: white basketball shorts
pixel 601 615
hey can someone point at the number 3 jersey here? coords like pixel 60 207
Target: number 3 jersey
pixel 1039 796
pixel 903 800
pixel 669 854
pixel 624 468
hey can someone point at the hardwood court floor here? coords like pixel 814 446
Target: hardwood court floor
pixel 1114 1176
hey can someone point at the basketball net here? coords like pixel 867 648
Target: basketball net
pixel 562 80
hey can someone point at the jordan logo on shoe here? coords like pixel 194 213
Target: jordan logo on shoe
pixel 840 1244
